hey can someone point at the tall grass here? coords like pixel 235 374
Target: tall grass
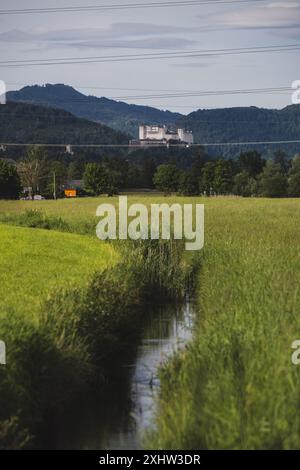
pixel 235 387
pixel 78 332
pixel 34 218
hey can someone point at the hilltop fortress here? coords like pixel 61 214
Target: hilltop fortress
pixel 154 134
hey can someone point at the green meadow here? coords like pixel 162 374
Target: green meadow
pixel 34 263
pixel 70 308
pixel 233 386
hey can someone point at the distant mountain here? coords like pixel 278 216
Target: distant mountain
pixel 246 124
pixel 27 123
pixel 116 114
pixel 240 124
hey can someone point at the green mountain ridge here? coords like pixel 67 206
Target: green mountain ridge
pixel 29 123
pixel 116 114
pixel 245 124
pixel 224 125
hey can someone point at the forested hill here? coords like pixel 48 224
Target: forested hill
pixel 240 124
pixel 24 123
pixel 27 123
pixel 116 114
pixel 246 124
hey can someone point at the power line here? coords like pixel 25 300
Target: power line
pixel 207 93
pixel 150 56
pixel 131 6
pixel 154 54
pixel 204 93
pixel 207 144
pixel 89 87
pixel 73 117
pixel 174 93
pixel 168 90
pixel 186 94
pixel 281 90
pixel 194 94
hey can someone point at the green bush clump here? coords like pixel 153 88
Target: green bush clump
pixel 36 219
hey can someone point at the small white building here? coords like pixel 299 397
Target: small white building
pixel 163 135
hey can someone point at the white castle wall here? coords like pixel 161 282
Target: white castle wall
pixel 162 133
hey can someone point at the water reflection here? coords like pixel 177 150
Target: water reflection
pixel 127 410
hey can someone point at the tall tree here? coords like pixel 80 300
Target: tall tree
pixel 197 162
pixel 294 177
pixel 149 169
pixel 98 180
pixel 33 170
pixel 251 162
pixel 76 169
pixel 282 159
pixel 188 184
pixel 134 177
pixel 166 178
pixel 241 184
pixel 223 181
pixel 10 185
pixel 207 178
pixel 118 168
pixel 273 181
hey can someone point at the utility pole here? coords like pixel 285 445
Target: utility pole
pixel 54 185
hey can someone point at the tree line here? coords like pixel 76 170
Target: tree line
pixel 181 171
pixel 37 173
pixel 249 175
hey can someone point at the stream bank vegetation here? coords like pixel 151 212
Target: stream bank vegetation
pixel 70 306
pixel 235 386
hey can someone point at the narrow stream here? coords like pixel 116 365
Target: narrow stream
pixel 127 410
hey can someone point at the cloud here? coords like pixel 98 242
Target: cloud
pixel 193 64
pixel 145 29
pixel 114 31
pixel 15 35
pixel 117 35
pixel 150 43
pixel 271 16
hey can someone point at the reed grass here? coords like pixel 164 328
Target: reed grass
pixel 235 387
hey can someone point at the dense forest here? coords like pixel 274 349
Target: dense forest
pixel 25 122
pixel 116 114
pixel 245 125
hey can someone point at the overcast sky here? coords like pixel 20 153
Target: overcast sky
pixel 139 31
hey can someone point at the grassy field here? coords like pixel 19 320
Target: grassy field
pixel 234 387
pixel 72 209
pixel 34 263
pixel 43 276
pixel 73 215
pixel 70 307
